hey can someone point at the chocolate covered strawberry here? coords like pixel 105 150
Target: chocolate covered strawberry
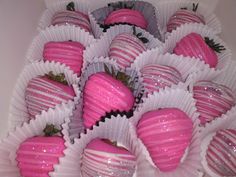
pixel 103 93
pixel 67 52
pixel 156 77
pixel 125 47
pixel 184 16
pixel 44 92
pixel 124 13
pixel 213 100
pixel 36 156
pixel 166 133
pixel 194 45
pixel 72 17
pixel 103 158
pixel 221 153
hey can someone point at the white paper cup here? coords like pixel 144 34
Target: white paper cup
pixel 185 65
pixel 223 78
pixel 169 98
pixel 170 43
pixel 9 145
pixel 227 121
pixel 56 6
pixel 101 47
pixel 18 113
pixel 167 8
pixel 147 9
pixel 114 129
pixel 57 33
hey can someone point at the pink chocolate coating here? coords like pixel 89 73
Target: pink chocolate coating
pixel 103 93
pixel 129 16
pixel 37 155
pixel 67 52
pixel 157 76
pixel 213 100
pixel 42 93
pixel 73 18
pixel 166 133
pixel 221 153
pixel 183 16
pixel 104 159
pixel 125 48
pixel 193 45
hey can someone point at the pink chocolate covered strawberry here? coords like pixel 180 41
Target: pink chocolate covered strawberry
pixel 102 158
pixel 123 13
pixel 36 156
pixel 156 77
pixel 166 133
pixel 72 17
pixel 104 93
pixel 46 92
pixel 125 47
pixel 213 100
pixel 221 153
pixel 184 16
pixel 194 45
pixel 67 52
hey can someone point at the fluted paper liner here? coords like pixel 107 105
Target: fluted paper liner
pixel 56 6
pixel 148 10
pixel 223 78
pixel 114 129
pixel 18 113
pixel 101 47
pixel 167 8
pixel 185 65
pixel 169 98
pixel 170 43
pixel 9 145
pixel 57 33
pixel 226 121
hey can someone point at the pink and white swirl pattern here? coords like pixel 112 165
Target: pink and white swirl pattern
pixel 166 133
pixel 221 153
pixel 42 93
pixel 102 94
pixel 156 77
pixel 103 159
pixel 67 52
pixel 213 100
pixel 73 18
pixel 183 16
pixel 36 156
pixel 125 48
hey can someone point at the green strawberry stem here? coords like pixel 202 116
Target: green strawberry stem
pixel 121 5
pixel 70 6
pixel 214 46
pixel 124 78
pixel 195 7
pixel 59 77
pixel 50 130
pixel 139 36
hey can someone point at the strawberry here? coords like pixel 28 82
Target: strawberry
pixel 213 100
pixel 166 133
pixel 36 156
pixel 193 45
pixel 125 47
pixel 156 77
pixel 106 159
pixel 104 93
pixel 125 14
pixel 184 16
pixel 67 52
pixel 46 92
pixel 72 17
